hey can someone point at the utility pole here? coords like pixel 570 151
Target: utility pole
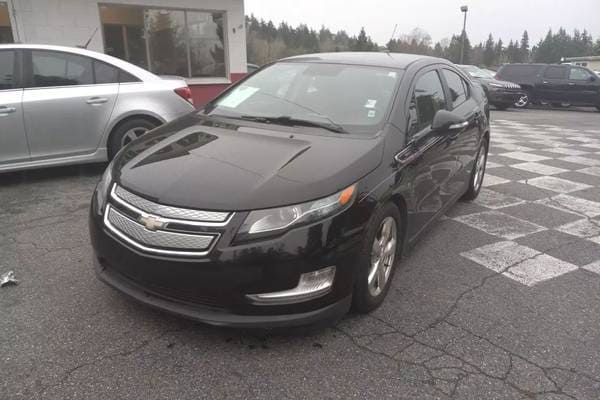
pixel 463 9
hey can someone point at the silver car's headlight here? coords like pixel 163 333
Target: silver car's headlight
pixel 278 219
pixel 102 189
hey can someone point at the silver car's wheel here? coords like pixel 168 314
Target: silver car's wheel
pixel 383 252
pixel 132 134
pixel 128 131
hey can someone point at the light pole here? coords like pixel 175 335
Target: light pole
pixel 463 9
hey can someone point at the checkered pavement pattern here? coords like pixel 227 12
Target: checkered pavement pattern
pixel 541 200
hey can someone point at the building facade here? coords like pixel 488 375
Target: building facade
pixel 203 41
pixel 591 62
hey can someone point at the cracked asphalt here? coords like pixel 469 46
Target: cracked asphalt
pixel 449 328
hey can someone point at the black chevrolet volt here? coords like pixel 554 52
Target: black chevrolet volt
pixel 290 198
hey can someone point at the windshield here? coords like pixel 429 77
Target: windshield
pixel 349 96
pixel 476 72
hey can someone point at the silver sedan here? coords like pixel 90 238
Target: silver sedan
pixel 63 105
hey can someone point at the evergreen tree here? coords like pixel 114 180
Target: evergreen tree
pixel 438 50
pixel 267 42
pixel 525 47
pixel 513 53
pixel 477 54
pixel 587 43
pixel 499 53
pixel 489 54
pixel 363 42
pixel 453 50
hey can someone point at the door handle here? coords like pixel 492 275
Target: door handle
pixel 545 82
pixel 460 125
pixel 93 101
pixel 7 110
pixel 571 84
pixel 413 152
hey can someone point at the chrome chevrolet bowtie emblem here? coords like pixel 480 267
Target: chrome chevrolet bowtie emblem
pixel 152 223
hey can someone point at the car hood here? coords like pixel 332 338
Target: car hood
pixel 205 163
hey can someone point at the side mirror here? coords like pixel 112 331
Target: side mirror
pixel 446 120
pixel 592 78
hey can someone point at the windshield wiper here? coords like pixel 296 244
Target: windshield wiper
pixel 291 121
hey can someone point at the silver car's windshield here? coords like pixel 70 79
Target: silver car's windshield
pixel 350 96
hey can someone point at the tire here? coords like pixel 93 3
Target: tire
pixel 524 101
pixel 127 131
pixel 478 173
pixel 368 296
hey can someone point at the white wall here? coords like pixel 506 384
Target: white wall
pixel 72 22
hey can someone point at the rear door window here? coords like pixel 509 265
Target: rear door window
pixel 427 99
pixel 555 72
pixel 7 70
pixel 53 68
pixel 105 73
pixel 125 77
pixel 456 85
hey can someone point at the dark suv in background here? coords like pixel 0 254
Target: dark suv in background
pixel 501 94
pixel 558 85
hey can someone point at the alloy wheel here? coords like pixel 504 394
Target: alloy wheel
pixel 132 134
pixel 383 253
pixel 523 101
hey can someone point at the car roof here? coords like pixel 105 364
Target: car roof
pixel 522 64
pixel 376 59
pixel 117 62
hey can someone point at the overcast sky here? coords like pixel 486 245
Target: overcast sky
pixel 441 18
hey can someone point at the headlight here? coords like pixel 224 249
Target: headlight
pixel 277 219
pixel 496 85
pixel 102 189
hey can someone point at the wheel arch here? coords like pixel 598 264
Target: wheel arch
pixel 400 202
pixel 126 118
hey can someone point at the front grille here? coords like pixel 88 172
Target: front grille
pixel 162 239
pixel 168 211
pixel 159 229
pixel 511 86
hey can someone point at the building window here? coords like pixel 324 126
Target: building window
pixel 6 35
pixel 166 41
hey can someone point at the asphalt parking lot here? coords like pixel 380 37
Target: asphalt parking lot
pixel 499 300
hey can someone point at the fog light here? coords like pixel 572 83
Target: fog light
pixel 311 285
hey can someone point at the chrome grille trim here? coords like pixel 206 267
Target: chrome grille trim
pixel 170 214
pixel 171 243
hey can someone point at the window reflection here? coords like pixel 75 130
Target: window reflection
pixel 428 99
pixel 167 42
pixel 206 43
pixel 6 35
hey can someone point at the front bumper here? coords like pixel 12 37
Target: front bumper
pixel 213 289
pixel 504 97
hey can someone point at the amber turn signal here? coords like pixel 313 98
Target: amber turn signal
pixel 347 195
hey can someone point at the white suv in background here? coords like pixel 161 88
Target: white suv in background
pixel 63 105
